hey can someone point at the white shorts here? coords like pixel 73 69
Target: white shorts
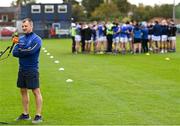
pixel 156 38
pixel 149 37
pixel 77 38
pixel 116 40
pixel 172 38
pixel 123 39
pixel 130 39
pixel 88 41
pixel 102 39
pixel 164 38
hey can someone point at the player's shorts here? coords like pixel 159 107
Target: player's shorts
pixel 77 38
pixel 123 39
pixel 172 38
pixel 116 40
pixel 149 37
pixel 137 40
pixel 88 41
pixel 164 38
pixel 102 39
pixel 28 79
pixel 156 38
pixel 130 39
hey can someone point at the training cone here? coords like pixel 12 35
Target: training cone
pixel 56 61
pixel 51 57
pixel 69 80
pixel 61 69
pixel 167 58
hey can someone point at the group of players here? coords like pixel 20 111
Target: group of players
pixel 116 37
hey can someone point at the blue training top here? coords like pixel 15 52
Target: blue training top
pixel 137 33
pixel 144 33
pixel 27 50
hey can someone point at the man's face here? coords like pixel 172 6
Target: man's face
pixel 26 27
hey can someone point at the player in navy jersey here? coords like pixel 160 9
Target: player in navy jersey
pixel 172 36
pixel 156 37
pixel 88 37
pixel 164 36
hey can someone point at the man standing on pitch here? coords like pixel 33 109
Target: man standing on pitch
pixel 27 50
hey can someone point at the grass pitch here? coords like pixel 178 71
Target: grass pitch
pixel 106 89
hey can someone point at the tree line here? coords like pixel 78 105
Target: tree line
pixel 88 10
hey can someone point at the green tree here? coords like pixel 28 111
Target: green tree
pixel 123 6
pixel 22 2
pixel 72 2
pixel 139 13
pixel 106 11
pixel 78 13
pixel 147 12
pixel 178 11
pixel 91 5
pixel 164 11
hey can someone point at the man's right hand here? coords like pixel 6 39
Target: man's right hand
pixel 15 39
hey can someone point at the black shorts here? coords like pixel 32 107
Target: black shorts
pixel 137 40
pixel 28 79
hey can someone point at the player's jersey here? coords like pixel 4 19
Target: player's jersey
pixel 157 30
pixel 164 30
pixel 116 30
pixel 137 33
pixel 101 30
pixel 124 31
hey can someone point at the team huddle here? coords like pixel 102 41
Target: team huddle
pixel 130 37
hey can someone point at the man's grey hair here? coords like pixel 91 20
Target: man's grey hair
pixel 29 20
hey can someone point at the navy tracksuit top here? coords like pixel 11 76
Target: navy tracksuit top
pixel 27 50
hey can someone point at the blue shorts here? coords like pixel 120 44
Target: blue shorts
pixel 28 79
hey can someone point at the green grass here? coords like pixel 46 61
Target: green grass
pixel 107 89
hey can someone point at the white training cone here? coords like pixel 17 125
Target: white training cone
pixel 56 61
pixel 48 54
pixel 61 69
pixel 51 57
pixel 43 48
pixel 147 54
pixel 69 80
pixel 45 51
pixel 167 58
